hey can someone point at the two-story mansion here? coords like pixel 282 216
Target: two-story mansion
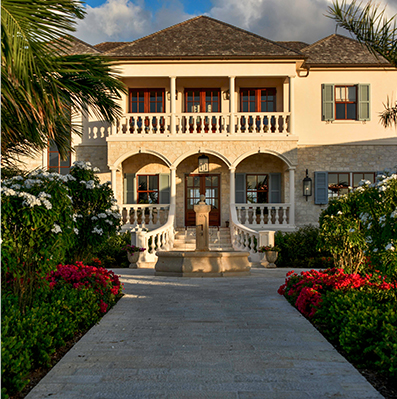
pixel 213 109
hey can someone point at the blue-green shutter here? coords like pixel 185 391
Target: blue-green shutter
pixel 129 188
pixel 240 189
pixel 320 188
pixel 275 188
pixel 328 111
pixel 164 185
pixel 364 111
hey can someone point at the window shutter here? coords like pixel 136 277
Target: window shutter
pixel 328 102
pixel 320 188
pixel 240 188
pixel 165 191
pixel 275 188
pixel 363 102
pixel 129 188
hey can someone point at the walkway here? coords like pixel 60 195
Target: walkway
pixel 203 338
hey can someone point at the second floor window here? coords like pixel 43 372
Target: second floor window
pixel 147 101
pixel 258 100
pixel 202 100
pixel 345 102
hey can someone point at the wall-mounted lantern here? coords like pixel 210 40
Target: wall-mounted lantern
pixel 203 164
pixel 307 186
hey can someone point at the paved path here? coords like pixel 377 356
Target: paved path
pixel 203 338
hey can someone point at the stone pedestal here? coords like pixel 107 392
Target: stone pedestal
pixel 202 225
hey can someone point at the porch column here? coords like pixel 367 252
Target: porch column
pixel 113 180
pixel 286 95
pixel 173 102
pixel 232 185
pixel 232 102
pixel 292 196
pixel 292 103
pixel 173 185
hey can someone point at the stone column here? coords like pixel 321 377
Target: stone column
pixel 173 185
pixel 202 225
pixel 232 184
pixel 292 196
pixel 173 103
pixel 292 103
pixel 286 95
pixel 113 179
pixel 232 102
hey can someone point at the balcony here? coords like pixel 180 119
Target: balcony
pixel 181 125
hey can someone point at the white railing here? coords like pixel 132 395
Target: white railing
pixel 161 239
pixel 243 238
pixel 247 124
pixel 259 122
pixel 201 123
pixel 144 215
pixel 263 215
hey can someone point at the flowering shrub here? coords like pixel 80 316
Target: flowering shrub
pixel 131 249
pixel 361 224
pixel 103 282
pixel 355 311
pixel 268 248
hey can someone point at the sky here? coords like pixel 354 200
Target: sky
pixel 127 20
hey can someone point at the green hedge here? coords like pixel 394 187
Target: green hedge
pixel 29 339
pixel 300 249
pixel 364 325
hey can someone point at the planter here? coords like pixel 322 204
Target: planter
pixel 271 257
pixel 133 259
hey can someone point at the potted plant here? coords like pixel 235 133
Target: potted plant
pixel 133 253
pixel 271 254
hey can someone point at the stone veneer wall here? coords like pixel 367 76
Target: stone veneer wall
pixel 337 158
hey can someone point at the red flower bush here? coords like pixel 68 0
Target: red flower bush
pixel 304 291
pixel 105 283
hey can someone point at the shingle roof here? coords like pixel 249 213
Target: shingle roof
pixel 80 47
pixel 296 46
pixel 107 46
pixel 340 50
pixel 203 37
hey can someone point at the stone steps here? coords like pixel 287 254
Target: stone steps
pixel 185 239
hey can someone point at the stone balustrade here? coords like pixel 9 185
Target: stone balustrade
pixel 145 215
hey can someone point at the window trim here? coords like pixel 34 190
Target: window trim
pixel 202 99
pixel 146 99
pixel 346 102
pixel 258 105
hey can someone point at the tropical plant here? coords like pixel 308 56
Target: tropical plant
pixel 373 29
pixel 42 84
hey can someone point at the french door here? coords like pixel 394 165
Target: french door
pixel 195 186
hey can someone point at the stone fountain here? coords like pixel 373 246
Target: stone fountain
pixel 202 262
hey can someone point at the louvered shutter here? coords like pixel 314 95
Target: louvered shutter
pixel 129 188
pixel 363 102
pixel 328 102
pixel 320 188
pixel 275 188
pixel 240 188
pixel 164 183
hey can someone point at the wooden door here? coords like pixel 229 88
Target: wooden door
pixel 196 185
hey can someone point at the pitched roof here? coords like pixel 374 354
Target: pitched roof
pixel 203 37
pixel 296 46
pixel 337 50
pixel 77 47
pixel 107 46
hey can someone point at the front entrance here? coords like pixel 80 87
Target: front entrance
pixel 196 185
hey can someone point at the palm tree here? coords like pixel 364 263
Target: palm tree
pixel 373 29
pixel 41 84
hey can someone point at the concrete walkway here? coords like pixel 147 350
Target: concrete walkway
pixel 203 338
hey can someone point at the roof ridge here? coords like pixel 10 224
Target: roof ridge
pixel 74 38
pixel 328 38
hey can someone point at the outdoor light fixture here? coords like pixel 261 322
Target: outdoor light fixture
pixel 307 186
pixel 203 164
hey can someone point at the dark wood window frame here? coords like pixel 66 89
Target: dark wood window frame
pixel 148 190
pixel 264 189
pixel 334 189
pixel 143 97
pixel 202 99
pixel 345 102
pixel 62 167
pixel 363 177
pixel 258 98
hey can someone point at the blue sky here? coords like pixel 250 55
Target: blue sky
pixel 127 20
